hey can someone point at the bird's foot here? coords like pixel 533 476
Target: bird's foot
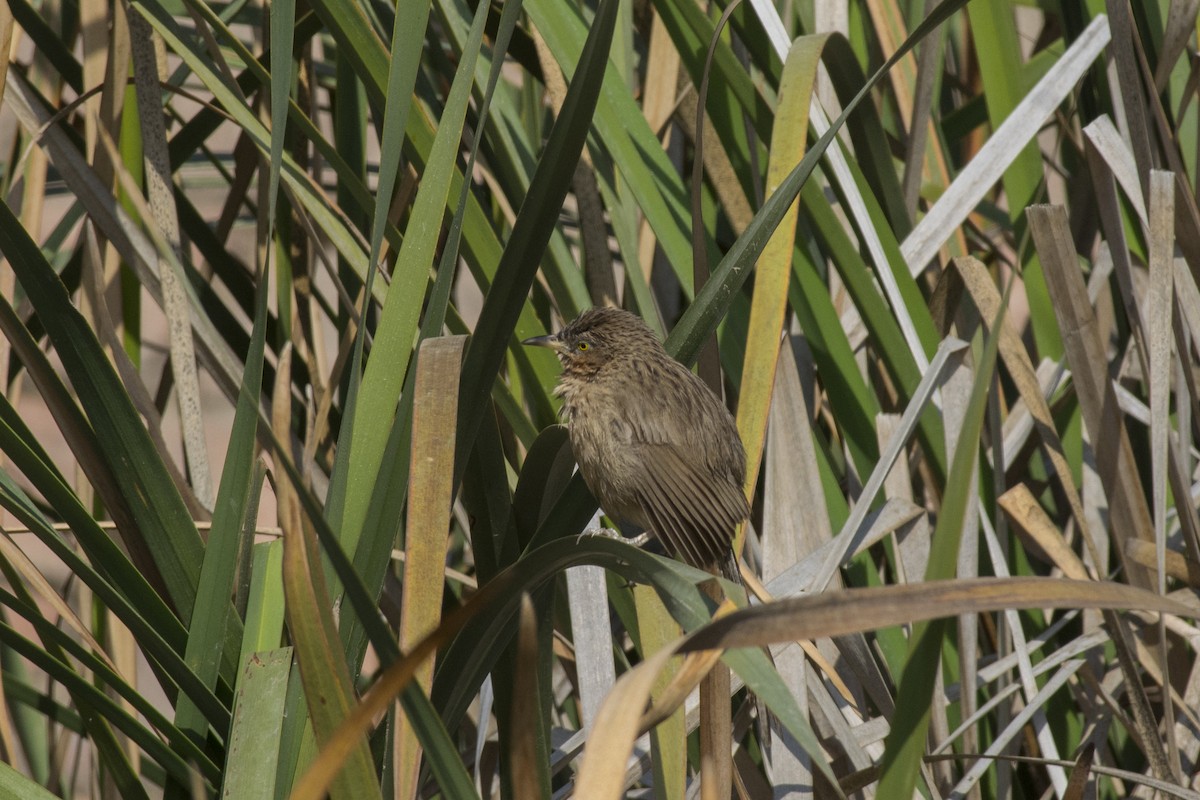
pixel 609 533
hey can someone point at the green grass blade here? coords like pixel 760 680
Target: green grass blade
pixel 160 635
pixel 394 336
pixel 258 716
pixel 58 642
pixel 702 316
pixel 535 221
pixel 264 605
pixel 213 614
pixel 622 130
pixel 163 520
pixel 282 23
pixel 13 784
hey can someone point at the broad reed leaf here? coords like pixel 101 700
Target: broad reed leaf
pixel 768 307
pixel 431 493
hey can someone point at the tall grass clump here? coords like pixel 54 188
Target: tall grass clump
pixel 285 507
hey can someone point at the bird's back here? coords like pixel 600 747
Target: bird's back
pixel 658 449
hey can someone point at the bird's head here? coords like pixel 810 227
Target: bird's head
pixel 596 337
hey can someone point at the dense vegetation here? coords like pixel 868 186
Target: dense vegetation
pixel 944 264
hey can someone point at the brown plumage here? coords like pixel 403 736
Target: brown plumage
pixel 654 444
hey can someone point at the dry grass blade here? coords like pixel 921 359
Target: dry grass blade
pixel 1029 517
pixel 998 671
pixel 1160 299
pixel 1080 774
pixel 956 394
pixel 716 723
pixel 1107 141
pixel 865 777
pixel 6 32
pixel 696 666
pixel 1006 737
pixel 792 501
pixel 1026 672
pixel 894 514
pixel 593 640
pixel 857 610
pixel 1188 297
pixel 851 532
pixel 1085 354
pixel 987 300
pixel 621 719
pixel 431 494
pixel 1161 302
pixel 981 174
pixel 616 729
pixel 1177 565
pixel 160 193
pixel 1180 27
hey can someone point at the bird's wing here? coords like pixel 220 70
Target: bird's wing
pixel 694 511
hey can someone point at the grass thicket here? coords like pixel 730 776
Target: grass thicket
pixel 265 273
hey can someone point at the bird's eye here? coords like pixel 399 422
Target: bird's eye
pixel 583 347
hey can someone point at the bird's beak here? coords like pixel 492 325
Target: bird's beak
pixel 550 340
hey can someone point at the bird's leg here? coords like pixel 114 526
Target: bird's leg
pixel 609 533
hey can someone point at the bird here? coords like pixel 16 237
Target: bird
pixel 656 447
